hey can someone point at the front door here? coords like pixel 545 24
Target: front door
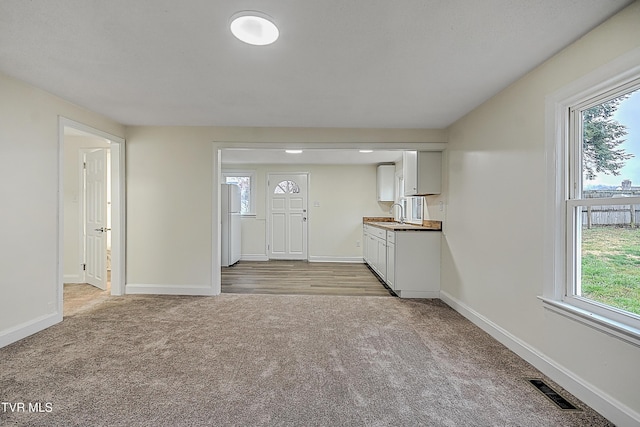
pixel 96 218
pixel 287 213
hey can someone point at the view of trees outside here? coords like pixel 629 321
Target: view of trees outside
pixel 611 143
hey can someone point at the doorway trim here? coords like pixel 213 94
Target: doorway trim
pixel 118 217
pixel 262 142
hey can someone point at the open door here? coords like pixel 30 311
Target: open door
pixel 95 222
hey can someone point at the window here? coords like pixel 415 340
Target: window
pixel 594 267
pixel 286 187
pixel 246 180
pixel 603 271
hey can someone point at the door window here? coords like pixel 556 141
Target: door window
pixel 286 187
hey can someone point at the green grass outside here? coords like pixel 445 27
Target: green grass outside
pixel 611 266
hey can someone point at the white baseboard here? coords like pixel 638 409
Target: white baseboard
pixel 610 408
pixel 25 329
pixel 157 289
pixel 254 257
pixel 73 278
pixel 418 294
pixel 350 260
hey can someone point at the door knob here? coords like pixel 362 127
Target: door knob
pixel 102 229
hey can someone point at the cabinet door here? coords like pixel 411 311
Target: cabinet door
pixel 382 257
pixel 385 181
pixel 365 244
pixel 391 264
pixel 410 172
pixel 372 249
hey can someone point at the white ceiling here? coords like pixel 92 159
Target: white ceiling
pixel 354 63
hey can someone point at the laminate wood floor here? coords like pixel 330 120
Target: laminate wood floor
pixel 301 277
pixel 78 297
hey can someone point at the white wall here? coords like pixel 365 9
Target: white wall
pixel 72 198
pixel 493 252
pixel 172 196
pixel 29 172
pixel 345 194
pixel 169 209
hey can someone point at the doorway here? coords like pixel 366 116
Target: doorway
pixel 287 215
pixel 91 233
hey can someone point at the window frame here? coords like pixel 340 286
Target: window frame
pixel 563 183
pixel 251 174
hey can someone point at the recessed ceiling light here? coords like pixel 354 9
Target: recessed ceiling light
pixel 293 151
pixel 254 28
pixel 366 151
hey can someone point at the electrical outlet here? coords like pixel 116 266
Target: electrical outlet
pixel 357 243
pixel 441 204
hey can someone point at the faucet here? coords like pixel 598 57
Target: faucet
pixel 401 211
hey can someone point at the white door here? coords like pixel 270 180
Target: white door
pixel 287 214
pixel 96 218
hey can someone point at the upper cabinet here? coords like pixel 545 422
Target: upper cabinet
pixel 422 171
pixel 385 175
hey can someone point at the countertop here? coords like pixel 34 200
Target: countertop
pixel 391 225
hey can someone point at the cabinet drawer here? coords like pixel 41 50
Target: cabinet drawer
pixel 391 237
pixel 378 232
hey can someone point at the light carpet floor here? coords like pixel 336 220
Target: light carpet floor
pixel 250 360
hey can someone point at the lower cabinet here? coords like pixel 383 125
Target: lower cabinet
pixel 416 264
pixel 382 257
pixel 375 250
pixel 365 243
pixel 391 261
pixel 407 261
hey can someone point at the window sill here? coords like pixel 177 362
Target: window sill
pixel 610 327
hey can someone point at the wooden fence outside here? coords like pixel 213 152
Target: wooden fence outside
pixel 617 215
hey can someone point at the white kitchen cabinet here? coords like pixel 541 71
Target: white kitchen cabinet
pixel 422 172
pixel 366 238
pixel 375 249
pixel 391 260
pixel 382 257
pixel 407 261
pixel 415 271
pixel 385 182
pixel 373 252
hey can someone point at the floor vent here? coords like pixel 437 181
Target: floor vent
pixel 552 395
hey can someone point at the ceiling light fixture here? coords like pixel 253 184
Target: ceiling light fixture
pixel 366 151
pixel 254 28
pixel 293 151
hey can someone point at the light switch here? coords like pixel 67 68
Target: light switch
pixel 316 204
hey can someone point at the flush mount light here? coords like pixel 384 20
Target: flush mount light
pixel 366 151
pixel 254 28
pixel 293 151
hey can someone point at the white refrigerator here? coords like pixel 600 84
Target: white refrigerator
pixel 230 213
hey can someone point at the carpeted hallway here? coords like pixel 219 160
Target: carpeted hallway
pixel 250 360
